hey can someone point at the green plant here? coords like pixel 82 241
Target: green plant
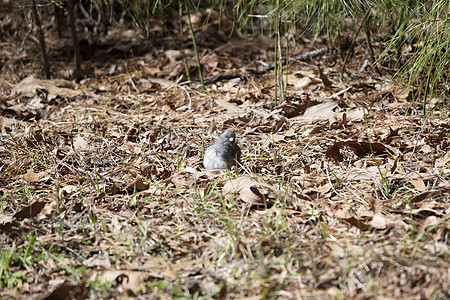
pixel 181 159
pixel 13 260
pixel 25 193
pixel 324 228
pixel 197 58
pixel 99 286
pixel 6 258
pixel 426 26
pixel 142 231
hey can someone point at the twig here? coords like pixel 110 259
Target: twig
pixel 144 269
pixel 302 57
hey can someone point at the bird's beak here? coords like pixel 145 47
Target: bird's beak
pixel 231 139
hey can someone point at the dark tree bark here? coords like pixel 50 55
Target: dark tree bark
pixel 105 16
pixel 60 21
pixel 76 45
pixel 41 39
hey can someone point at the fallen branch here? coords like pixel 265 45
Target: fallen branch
pixel 302 57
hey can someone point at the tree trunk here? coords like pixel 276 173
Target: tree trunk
pixel 76 45
pixel 60 21
pixel 41 39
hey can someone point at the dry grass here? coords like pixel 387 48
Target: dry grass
pixel 129 211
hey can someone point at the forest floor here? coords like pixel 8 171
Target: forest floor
pixel 343 190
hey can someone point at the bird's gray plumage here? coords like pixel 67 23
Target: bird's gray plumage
pixel 223 154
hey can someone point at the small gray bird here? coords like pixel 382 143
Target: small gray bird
pixel 224 154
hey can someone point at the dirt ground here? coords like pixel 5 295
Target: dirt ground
pixel 342 191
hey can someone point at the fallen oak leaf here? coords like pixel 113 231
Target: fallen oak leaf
pixel 380 221
pixel 357 223
pixel 347 216
pixel 100 260
pixel 31 176
pixel 113 189
pixel 422 196
pixel 7 222
pixel 326 82
pixel 80 143
pixel 359 148
pixel 127 279
pixel 248 190
pixel 67 290
pixel 148 170
pixel 137 185
pixel 29 211
pixel 430 221
pixel 185 178
pixel 57 87
pixel 5 219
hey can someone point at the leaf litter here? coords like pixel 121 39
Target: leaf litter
pixel 103 188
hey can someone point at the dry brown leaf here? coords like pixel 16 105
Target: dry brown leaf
pixel 441 162
pixel 55 87
pixel 79 143
pixel 29 211
pixel 291 109
pixel 129 280
pixel 100 260
pixel 346 215
pixel 427 149
pixel 161 266
pixel 173 55
pixel 380 221
pixel 303 82
pixel 163 83
pixel 402 94
pixel 137 185
pixel 422 196
pixel 186 178
pixel 212 126
pixel 147 170
pixel 326 82
pixel 230 107
pixel 113 189
pixel 340 124
pixel 4 219
pixel 359 148
pixel 294 213
pixel 394 165
pixel 248 190
pixel 429 221
pixel 355 114
pixel 418 184
pixel 68 290
pixel 343 213
pixel 321 111
pixel 323 189
pixel 8 123
pixel 351 285
pixel 30 176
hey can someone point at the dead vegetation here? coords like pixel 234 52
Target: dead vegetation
pixel 343 191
